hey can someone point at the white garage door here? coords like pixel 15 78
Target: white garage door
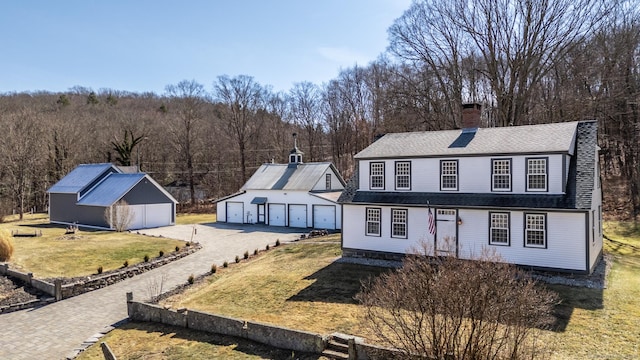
pixel 324 217
pixel 149 216
pixel 235 212
pixel 158 215
pixel 276 215
pixel 298 216
pixel 137 216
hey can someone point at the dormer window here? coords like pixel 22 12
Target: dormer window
pixel 501 174
pixel 403 175
pixel 376 175
pixel 449 175
pixel 537 174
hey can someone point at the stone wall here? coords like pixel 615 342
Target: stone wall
pixel 271 335
pixel 60 291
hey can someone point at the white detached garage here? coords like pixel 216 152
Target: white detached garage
pixel 295 195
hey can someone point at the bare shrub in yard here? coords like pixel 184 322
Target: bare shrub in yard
pixel 155 286
pixel 449 308
pixel 6 245
pixel 119 216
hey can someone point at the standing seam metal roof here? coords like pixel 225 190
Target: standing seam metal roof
pixel 304 176
pixel 79 178
pixel 112 189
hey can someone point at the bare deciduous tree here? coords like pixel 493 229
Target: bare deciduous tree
pixel 242 114
pixel 448 308
pixel 189 99
pixel 119 216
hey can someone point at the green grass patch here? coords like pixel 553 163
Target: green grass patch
pixel 55 254
pixel 187 219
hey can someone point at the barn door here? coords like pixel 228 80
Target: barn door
pixel 446 232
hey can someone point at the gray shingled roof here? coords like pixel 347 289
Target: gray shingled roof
pixel 111 189
pixel 580 185
pixel 549 138
pixel 288 177
pixel 79 178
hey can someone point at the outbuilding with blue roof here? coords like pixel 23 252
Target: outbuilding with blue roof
pixel 90 191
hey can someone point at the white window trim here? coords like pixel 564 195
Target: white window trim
pixel 405 223
pixel 544 231
pixel 371 175
pixel 508 228
pixel 442 188
pixel 367 221
pixel 546 175
pixel 403 175
pixel 494 175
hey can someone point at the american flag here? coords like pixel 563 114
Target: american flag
pixel 432 223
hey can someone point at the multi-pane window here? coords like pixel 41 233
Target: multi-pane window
pixel 376 171
pixel 535 232
pixel 537 174
pixel 399 223
pixel 449 175
pixel 498 228
pixel 327 181
pixel 403 175
pixel 373 221
pixel 501 174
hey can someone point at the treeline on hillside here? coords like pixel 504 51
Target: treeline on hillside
pixel 526 62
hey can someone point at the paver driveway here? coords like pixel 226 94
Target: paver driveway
pixel 57 330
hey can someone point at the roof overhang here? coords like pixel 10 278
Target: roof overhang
pixel 259 200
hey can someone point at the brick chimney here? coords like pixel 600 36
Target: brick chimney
pixel 471 116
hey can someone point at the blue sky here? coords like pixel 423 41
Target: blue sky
pixel 144 45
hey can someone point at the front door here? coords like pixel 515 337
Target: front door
pixel 260 213
pixel 446 232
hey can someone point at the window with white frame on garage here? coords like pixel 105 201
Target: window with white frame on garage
pixel 535 230
pixel 499 228
pixel 399 223
pixel 373 222
pixel 327 181
pixel 501 174
pixel 403 175
pixel 376 170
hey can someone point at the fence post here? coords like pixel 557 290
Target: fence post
pixel 57 286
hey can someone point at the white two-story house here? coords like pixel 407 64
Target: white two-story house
pixel 530 193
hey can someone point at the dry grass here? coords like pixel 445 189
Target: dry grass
pixel 605 324
pixel 297 286
pixel 300 286
pixel 55 254
pixel 193 218
pixel 154 341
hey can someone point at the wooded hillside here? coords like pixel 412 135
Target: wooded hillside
pixel 526 62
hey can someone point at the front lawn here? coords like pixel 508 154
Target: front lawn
pixel 605 324
pixel 300 286
pixel 55 254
